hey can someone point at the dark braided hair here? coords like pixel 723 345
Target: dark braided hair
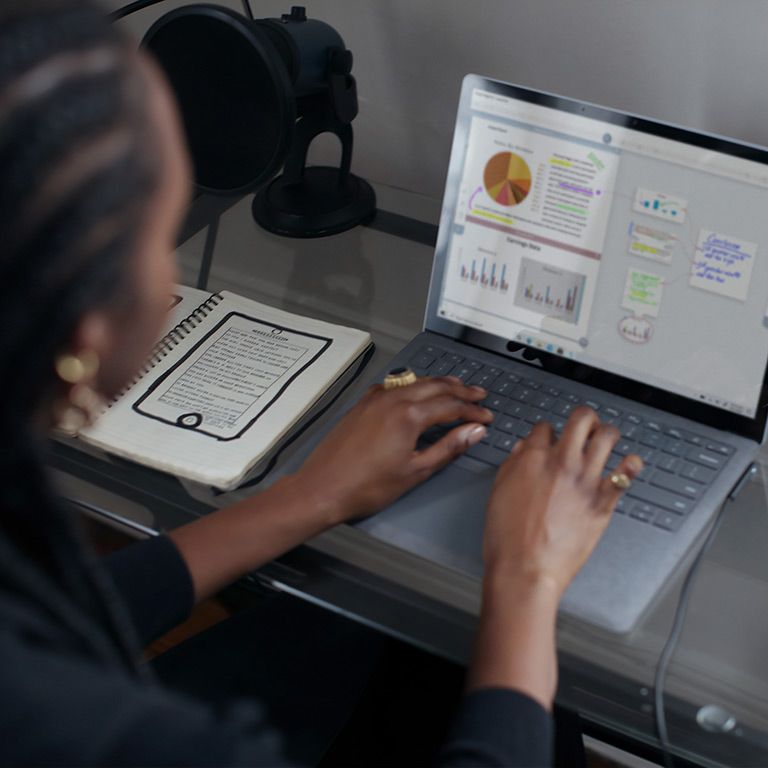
pixel 76 171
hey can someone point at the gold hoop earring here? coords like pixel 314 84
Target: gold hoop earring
pixel 74 369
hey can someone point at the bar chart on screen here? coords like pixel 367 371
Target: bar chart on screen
pixel 638 330
pixel 550 290
pixel 486 273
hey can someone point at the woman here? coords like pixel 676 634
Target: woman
pixel 94 181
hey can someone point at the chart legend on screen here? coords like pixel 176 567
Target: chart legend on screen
pixel 507 179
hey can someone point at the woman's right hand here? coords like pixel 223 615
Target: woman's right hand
pixel 550 503
pixel 549 506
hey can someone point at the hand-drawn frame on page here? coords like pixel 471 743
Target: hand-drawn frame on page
pixel 192 425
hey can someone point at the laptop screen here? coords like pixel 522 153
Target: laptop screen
pixel 608 241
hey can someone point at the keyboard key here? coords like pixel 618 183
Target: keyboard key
pixel 668 522
pixel 502 387
pixel 455 359
pixel 705 458
pixel 632 419
pixel 535 416
pixel 505 424
pixel 524 429
pixel 464 373
pixel 725 450
pixel 698 474
pixel 545 403
pixel 473 364
pixel 524 395
pixel 674 433
pixel 660 498
pixel 552 391
pixel 442 368
pixel 670 464
pixel 624 448
pixel 486 453
pixel 562 409
pixel 435 352
pixel 558 425
pixel 695 439
pixel 493 371
pixel 653 425
pixel 513 377
pixel 495 402
pixel 422 360
pixel 622 505
pixel 571 398
pixel 531 384
pixel 674 447
pixel 482 379
pixel 648 455
pixel 518 410
pixel 675 484
pixel 642 511
pixel 629 430
pixel 592 404
pixel 505 442
pixel 650 438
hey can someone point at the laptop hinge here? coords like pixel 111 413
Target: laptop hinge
pixel 748 474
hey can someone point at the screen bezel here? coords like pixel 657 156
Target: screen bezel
pixel 753 428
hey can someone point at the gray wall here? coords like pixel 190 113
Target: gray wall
pixel 702 63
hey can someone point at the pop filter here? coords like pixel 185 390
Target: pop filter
pixel 235 97
pixel 253 95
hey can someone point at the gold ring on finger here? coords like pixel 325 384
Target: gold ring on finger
pixel 399 377
pixel 620 481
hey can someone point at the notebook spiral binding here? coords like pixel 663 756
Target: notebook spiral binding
pixel 172 339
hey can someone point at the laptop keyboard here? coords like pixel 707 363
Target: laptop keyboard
pixel 679 464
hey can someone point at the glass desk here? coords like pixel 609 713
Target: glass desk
pixel 376 278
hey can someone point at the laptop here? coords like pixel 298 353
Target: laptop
pixel 587 256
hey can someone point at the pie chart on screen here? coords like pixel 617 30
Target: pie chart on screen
pixel 507 178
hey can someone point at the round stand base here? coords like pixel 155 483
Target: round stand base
pixel 314 206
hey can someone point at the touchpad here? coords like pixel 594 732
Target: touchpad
pixel 441 520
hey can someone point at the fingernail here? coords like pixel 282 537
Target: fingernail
pixel 479 390
pixel 476 434
pixel 488 413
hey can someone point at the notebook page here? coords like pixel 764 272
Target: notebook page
pixel 223 385
pixel 222 398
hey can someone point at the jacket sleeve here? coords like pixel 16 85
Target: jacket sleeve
pixel 62 709
pixel 154 583
pixel 499 728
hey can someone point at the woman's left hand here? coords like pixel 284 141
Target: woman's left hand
pixel 370 458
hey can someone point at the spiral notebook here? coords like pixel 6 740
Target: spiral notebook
pixel 229 381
